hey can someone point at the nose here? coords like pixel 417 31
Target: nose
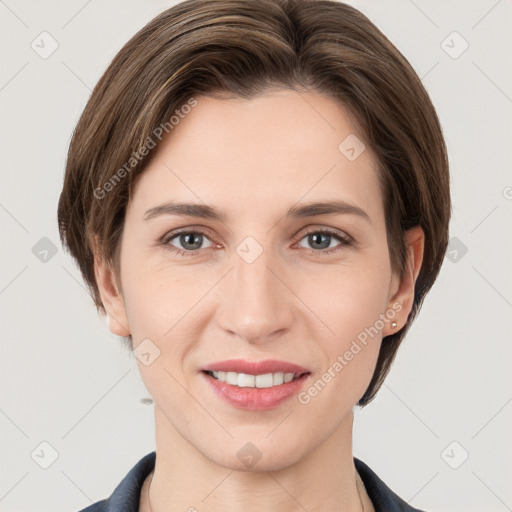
pixel 256 303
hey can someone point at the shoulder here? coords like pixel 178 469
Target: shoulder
pixel 126 496
pixel 383 498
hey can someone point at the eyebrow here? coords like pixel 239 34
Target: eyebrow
pixel 204 211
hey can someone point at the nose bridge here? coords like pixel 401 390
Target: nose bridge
pixel 255 303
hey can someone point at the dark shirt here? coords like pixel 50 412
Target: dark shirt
pixel 126 495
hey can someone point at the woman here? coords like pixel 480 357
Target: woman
pixel 257 195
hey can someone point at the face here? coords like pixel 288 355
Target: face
pixel 259 275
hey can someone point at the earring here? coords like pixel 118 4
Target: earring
pixel 393 325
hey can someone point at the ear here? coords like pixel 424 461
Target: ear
pixel 110 296
pixel 402 291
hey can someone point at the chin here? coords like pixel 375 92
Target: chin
pixel 257 454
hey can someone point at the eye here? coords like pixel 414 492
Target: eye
pixel 190 242
pixel 321 240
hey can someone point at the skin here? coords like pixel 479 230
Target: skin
pixel 253 160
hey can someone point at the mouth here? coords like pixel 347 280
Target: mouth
pixel 261 390
pixel 255 374
pixel 264 380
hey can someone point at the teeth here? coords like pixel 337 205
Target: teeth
pixel 243 380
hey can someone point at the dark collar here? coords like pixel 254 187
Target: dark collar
pixel 382 497
pixel 126 495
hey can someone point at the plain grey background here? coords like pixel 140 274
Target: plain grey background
pixel 71 419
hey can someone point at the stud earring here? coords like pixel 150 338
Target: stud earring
pixel 393 325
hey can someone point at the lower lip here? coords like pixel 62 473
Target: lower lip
pixel 255 399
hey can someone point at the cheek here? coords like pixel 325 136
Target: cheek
pixel 351 350
pixel 157 295
pixel 350 302
pixel 161 306
pixel 158 312
pixel 350 298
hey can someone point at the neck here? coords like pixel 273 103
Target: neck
pixel 185 479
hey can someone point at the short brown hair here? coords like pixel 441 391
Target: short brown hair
pixel 241 49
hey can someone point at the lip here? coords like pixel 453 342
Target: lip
pixel 255 399
pixel 256 367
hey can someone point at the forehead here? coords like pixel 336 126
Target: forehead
pixel 276 149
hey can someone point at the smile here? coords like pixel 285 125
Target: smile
pixel 254 392
pixel 244 380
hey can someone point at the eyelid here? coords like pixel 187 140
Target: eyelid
pixel 330 231
pixel 169 235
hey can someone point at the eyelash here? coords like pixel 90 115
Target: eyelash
pixel 345 241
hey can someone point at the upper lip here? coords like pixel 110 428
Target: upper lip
pixel 256 367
